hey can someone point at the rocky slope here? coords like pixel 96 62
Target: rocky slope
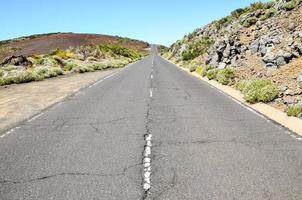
pixel 263 40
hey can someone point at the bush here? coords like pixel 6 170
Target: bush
pixel 249 22
pixel 1 72
pixel 192 68
pixel 223 21
pixel 117 50
pixel 212 73
pixel 83 69
pixel 237 13
pixel 199 70
pixel 257 6
pixel 289 5
pixel 226 76
pixel 197 48
pixel 241 85
pixel 56 71
pixel 258 90
pixel 63 54
pixel 294 110
pixel 69 66
pixel 268 13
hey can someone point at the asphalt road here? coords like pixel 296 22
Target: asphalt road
pixel 204 145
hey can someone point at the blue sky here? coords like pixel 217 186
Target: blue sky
pixel 154 21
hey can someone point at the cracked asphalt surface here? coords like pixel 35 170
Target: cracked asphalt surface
pixel 205 146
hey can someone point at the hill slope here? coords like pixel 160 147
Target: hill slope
pixel 46 43
pixel 262 41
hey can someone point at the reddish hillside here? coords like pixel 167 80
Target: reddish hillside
pixel 46 43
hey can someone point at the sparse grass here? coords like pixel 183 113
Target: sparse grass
pixel 212 73
pixel 197 48
pixel 226 76
pixel 192 68
pixel 268 13
pixel 290 5
pixel 294 110
pixel 70 66
pixel 258 90
pixel 249 22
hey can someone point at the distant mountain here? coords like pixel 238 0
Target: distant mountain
pixel 46 43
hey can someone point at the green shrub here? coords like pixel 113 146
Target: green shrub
pixel 192 68
pixel 56 70
pixel 269 4
pixel 226 76
pixel 9 68
pixel 249 22
pixel 83 69
pixel 197 48
pixel 223 21
pixel 289 5
pixel 294 110
pixel 7 80
pixel 238 12
pixel 268 13
pixel 257 6
pixel 209 67
pixel 117 50
pixel 241 85
pixel 69 66
pixel 1 72
pixel 212 73
pixel 259 90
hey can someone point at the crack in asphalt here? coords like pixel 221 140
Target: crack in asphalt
pixel 123 173
pixel 146 154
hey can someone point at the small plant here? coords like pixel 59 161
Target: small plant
pixel 69 66
pixel 197 48
pixel 289 5
pixel 192 68
pixel 294 110
pixel 268 13
pixel 238 12
pixel 9 68
pixel 258 90
pixel 63 54
pixel 257 6
pixel 241 85
pixel 212 73
pixel 1 72
pixel 56 70
pixel 249 22
pixel 226 76
pixel 199 70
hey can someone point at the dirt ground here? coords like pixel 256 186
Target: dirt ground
pixel 19 102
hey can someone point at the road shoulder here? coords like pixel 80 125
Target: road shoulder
pixel 21 102
pixel 291 123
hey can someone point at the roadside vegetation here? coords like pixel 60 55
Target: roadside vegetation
pixel 225 51
pixel 59 62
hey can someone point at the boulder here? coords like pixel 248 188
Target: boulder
pixel 17 61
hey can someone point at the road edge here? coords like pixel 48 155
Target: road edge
pixel 292 125
pixel 11 127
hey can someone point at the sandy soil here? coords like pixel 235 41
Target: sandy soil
pixel 19 102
